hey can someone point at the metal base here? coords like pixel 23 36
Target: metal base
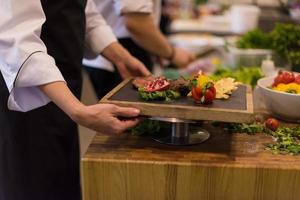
pixel 182 134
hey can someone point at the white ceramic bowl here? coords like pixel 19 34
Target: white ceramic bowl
pixel 282 105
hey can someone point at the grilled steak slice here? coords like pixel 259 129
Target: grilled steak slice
pixel 182 85
pixel 142 81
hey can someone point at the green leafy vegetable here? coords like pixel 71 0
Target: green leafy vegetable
pixel 250 129
pixel 286 138
pixel 255 39
pixel 166 95
pixel 286 42
pixel 283 39
pixel 246 75
pixel 194 82
pixel 148 127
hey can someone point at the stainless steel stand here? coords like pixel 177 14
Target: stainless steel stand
pixel 181 134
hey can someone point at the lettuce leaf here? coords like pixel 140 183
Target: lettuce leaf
pixel 166 95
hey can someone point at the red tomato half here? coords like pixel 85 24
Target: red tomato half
pixel 208 97
pixel 197 93
pixel 213 90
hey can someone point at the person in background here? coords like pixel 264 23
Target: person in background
pixel 165 19
pixel 41 52
pixel 136 25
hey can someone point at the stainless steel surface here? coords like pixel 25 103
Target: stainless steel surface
pixel 172 120
pixel 194 137
pixel 181 134
pixel 180 130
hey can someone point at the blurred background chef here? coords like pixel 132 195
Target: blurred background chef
pixel 135 24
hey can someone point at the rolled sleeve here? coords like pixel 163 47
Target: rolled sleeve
pixel 129 6
pixel 38 69
pixel 98 34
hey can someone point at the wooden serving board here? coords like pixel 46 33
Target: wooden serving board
pixel 238 108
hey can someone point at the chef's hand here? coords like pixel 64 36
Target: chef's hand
pixel 104 118
pixel 127 65
pixel 107 118
pixel 181 57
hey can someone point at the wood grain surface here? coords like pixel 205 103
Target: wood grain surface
pixel 226 167
pixel 238 108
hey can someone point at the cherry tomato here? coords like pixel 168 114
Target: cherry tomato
pixel 288 77
pixel 213 90
pixel 208 97
pixel 297 79
pixel 272 124
pixel 197 93
pixel 278 80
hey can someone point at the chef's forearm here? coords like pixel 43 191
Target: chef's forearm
pixel 144 31
pixel 115 52
pixel 62 96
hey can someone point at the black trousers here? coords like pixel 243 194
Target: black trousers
pixel 104 81
pixel 39 153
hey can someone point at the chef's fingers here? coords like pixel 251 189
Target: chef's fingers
pixel 123 125
pixel 126 112
pixel 161 62
pixel 144 71
pixel 123 70
pixel 138 68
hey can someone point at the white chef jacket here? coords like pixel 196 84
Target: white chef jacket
pixel 24 61
pixel 112 11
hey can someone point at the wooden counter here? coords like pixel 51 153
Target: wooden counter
pixel 226 167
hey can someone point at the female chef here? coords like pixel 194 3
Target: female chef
pixel 41 50
pixel 135 23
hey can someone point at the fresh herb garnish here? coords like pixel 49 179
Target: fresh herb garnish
pixel 193 83
pixel 250 129
pixel 286 138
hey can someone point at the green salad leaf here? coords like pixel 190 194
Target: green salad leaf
pixel 246 75
pixel 166 95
